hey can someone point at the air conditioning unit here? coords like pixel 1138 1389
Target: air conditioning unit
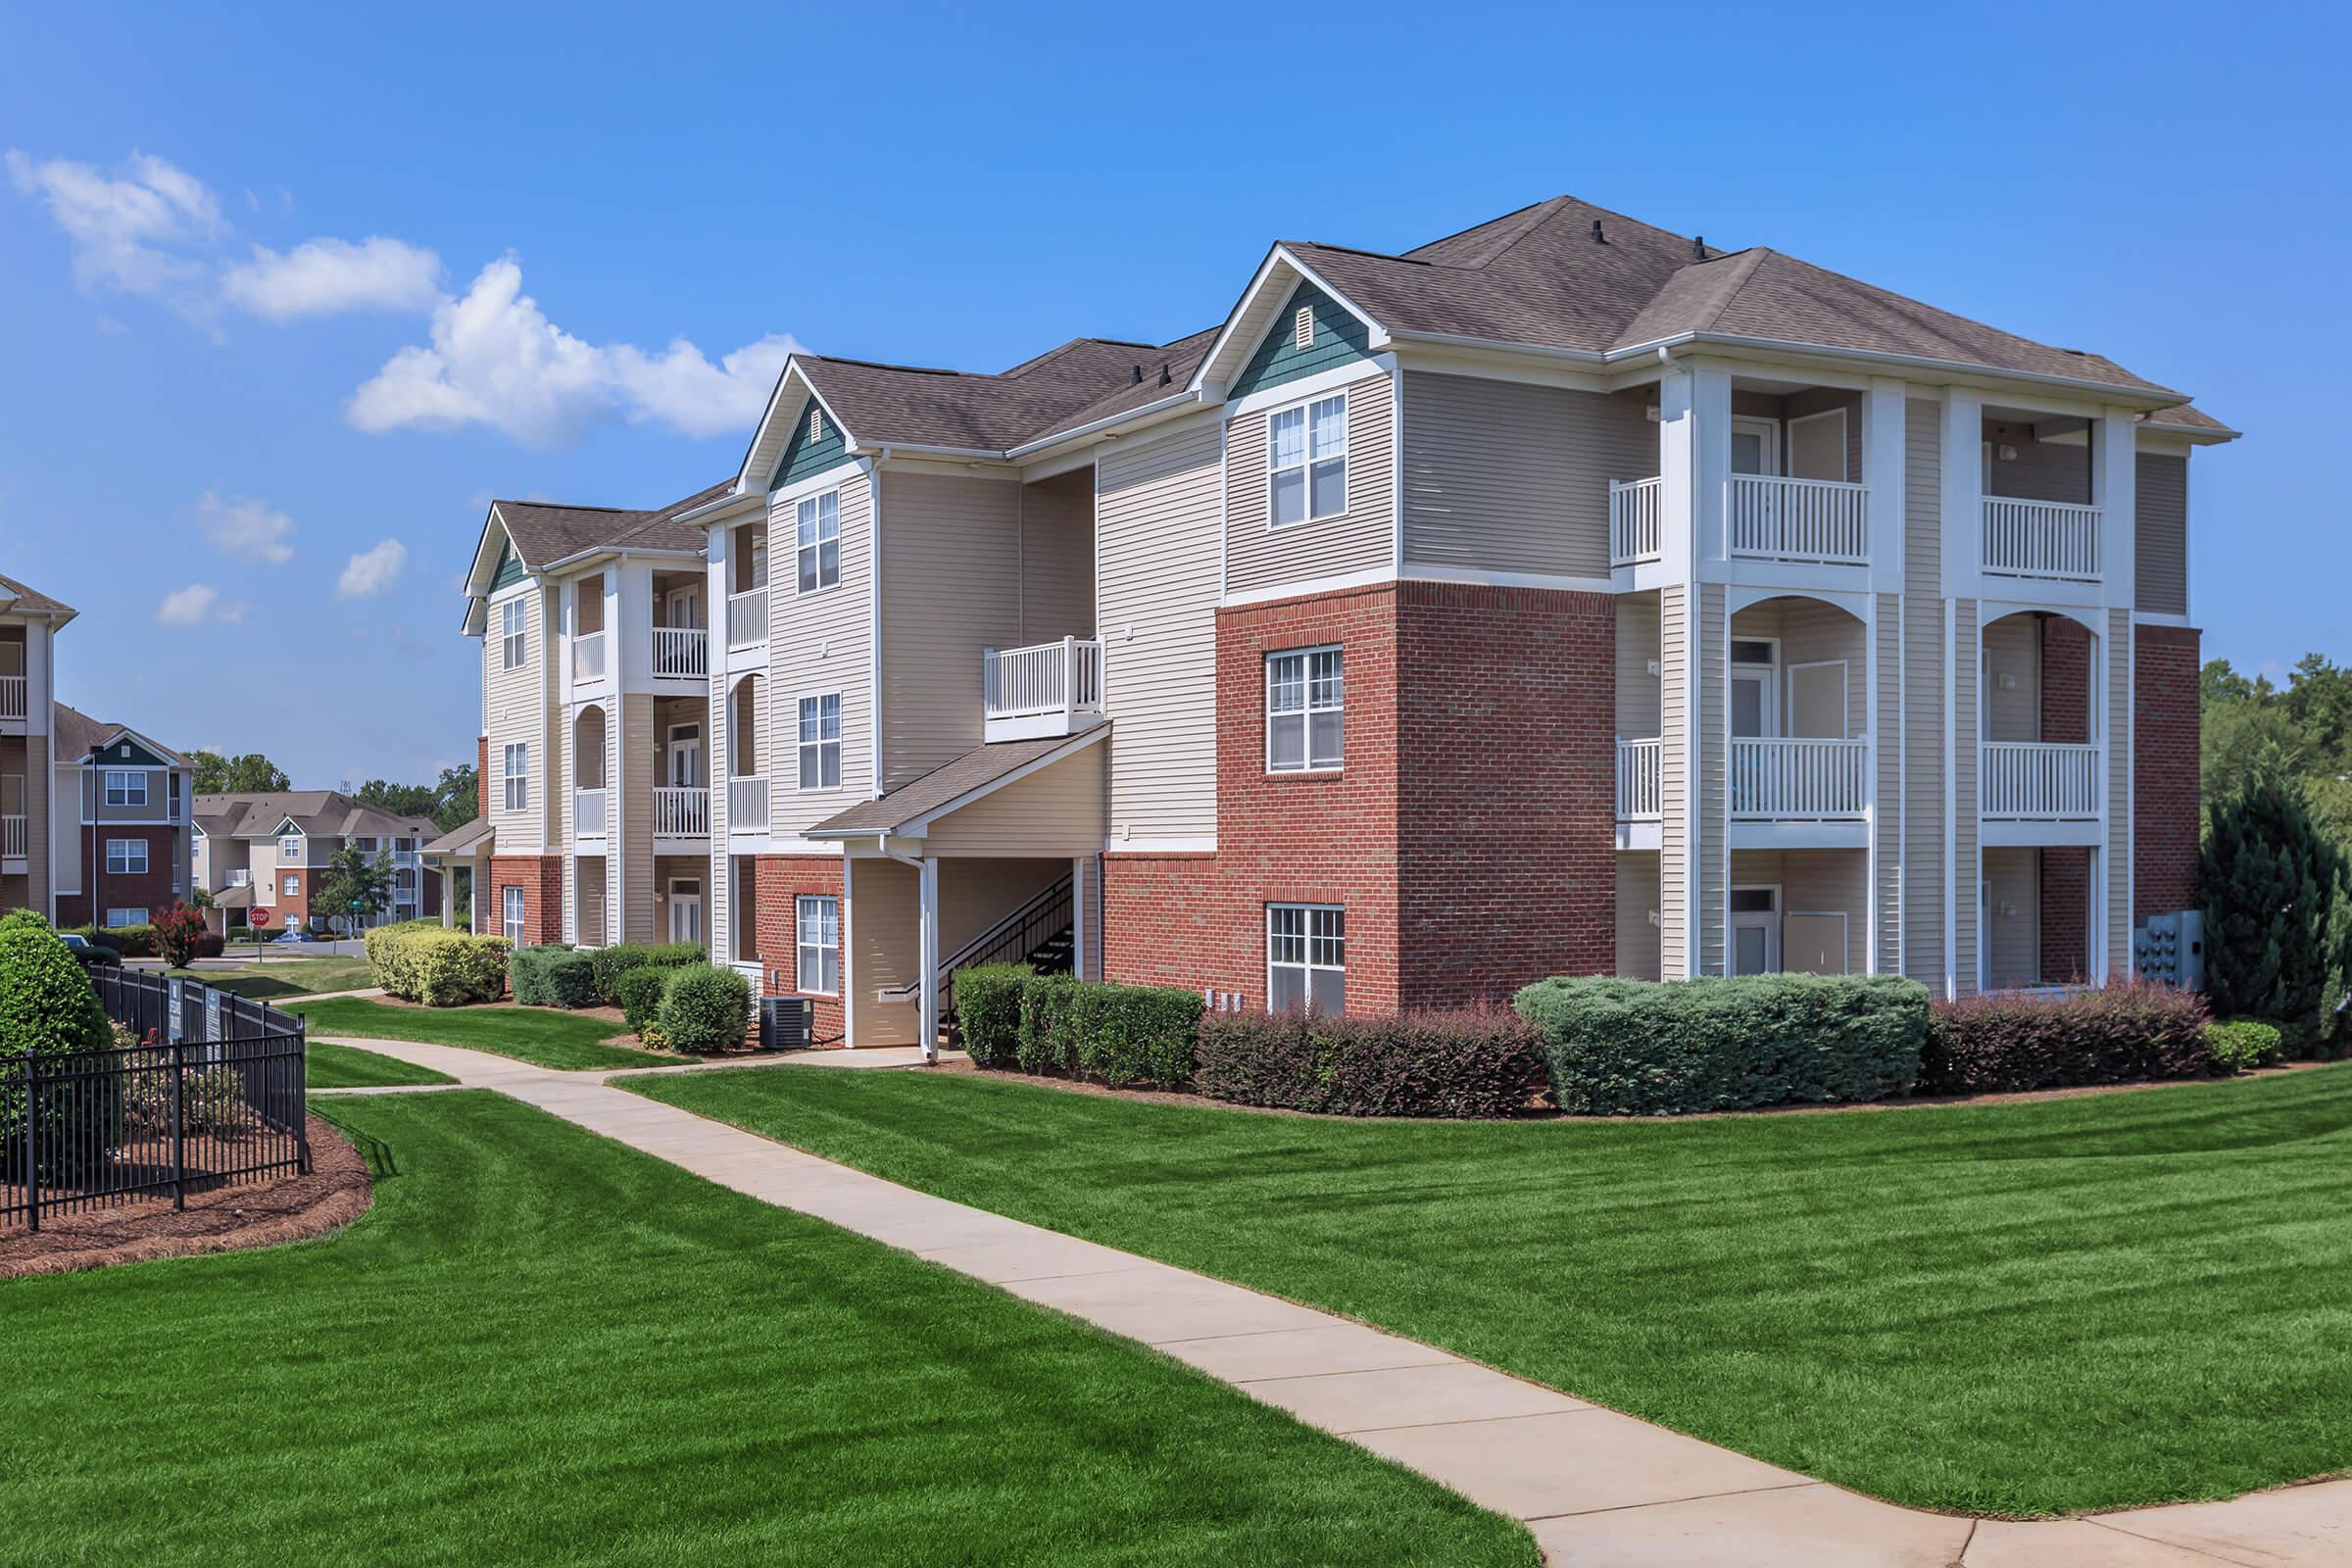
pixel 2171 948
pixel 787 1023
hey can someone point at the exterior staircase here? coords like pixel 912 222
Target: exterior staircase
pixel 1042 933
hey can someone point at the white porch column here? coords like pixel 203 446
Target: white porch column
pixel 449 900
pixel 1078 918
pixel 927 1019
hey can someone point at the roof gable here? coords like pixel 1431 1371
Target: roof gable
pixel 122 749
pixel 1335 337
pixel 509 571
pixel 818 441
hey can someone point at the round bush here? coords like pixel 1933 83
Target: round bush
pixel 641 997
pixel 705 1008
pixel 48 1001
pixel 2243 1044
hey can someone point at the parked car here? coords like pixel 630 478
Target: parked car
pixel 91 955
pixel 293 933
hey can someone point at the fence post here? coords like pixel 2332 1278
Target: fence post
pixel 32 1160
pixel 179 1182
pixel 301 1088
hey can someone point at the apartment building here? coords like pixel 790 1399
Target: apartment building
pixel 123 845
pixel 1561 596
pixel 29 621
pixel 268 851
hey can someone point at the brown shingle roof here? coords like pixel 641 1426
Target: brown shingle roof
pixel 74 732
pixel 969 412
pixel 322 814
pixel 544 532
pixel 34 599
pixel 973 772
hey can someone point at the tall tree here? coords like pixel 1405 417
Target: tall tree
pixel 455 797
pixel 400 799
pixel 354 882
pixel 249 774
pixel 2277 897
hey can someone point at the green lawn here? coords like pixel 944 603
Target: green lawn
pixel 541 1346
pixel 295 977
pixel 2031 1308
pixel 333 1066
pixel 547 1036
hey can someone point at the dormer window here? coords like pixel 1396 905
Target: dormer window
pixel 1303 328
pixel 1306 461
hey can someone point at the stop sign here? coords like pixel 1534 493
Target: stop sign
pixel 257 917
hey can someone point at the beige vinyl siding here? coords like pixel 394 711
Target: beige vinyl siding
pixel 1159 503
pixel 1057 809
pixel 595 929
pixel 1887 824
pixel 950 587
pixel 2012 943
pixel 1832 882
pixel 1638 697
pixel 822 643
pixel 1500 477
pixel 262 862
pixel 1258 555
pixel 2160 551
pixel 1966 657
pixel 2123 653
pixel 976 891
pixel 40 877
pixel 2013 652
pixel 1810 631
pixel 513 714
pixel 1057 558
pixel 2041 471
pixel 1637 956
pixel 635 770
pixel 1713 678
pixel 1924 754
pixel 1674 843
pixel 1821 400
pixel 883 949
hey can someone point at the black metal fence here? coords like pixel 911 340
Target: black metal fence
pixel 210 1094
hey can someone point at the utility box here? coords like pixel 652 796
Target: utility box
pixel 2171 948
pixel 787 1023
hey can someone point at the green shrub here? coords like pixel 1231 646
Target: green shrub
pixel 2118 1034
pixel 1638 1047
pixel 1049 1040
pixel 609 965
pixel 988 1012
pixel 640 991
pixel 1134 1033
pixel 46 1003
pixel 551 975
pixel 1474 1062
pixel 134 941
pixel 703 1008
pixel 2244 1043
pixel 442 968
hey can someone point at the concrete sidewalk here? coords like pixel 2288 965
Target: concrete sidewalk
pixel 1593 1486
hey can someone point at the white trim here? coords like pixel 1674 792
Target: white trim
pixel 913 827
pixel 1279 256
pixel 1338 378
pixel 744 478
pixel 1166 844
pixel 1951 792
pixel 2152 617
pixel 1369 577
pixel 873 633
pixel 839 742
pixel 815 499
pixel 1308 461
pixel 1766 430
pixel 1306 965
pixel 1305 710
pixel 799 985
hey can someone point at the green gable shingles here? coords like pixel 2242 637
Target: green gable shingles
pixel 1339 339
pixel 127 753
pixel 510 567
pixel 803 457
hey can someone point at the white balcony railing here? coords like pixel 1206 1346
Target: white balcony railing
pixel 13 837
pixel 747 804
pixel 1772 518
pixel 681 651
pixel 1634 522
pixel 404 859
pixel 12 696
pixel 747 619
pixel 588 656
pixel 1637 780
pixel 1784 780
pixel 2038 781
pixel 2041 539
pixel 241 879
pixel 680 812
pixel 1046 690
pixel 588 814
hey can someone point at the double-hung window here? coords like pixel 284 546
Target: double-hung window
pixel 511 639
pixel 1305 693
pixel 820 742
pixel 516 761
pixel 817 530
pixel 289 848
pixel 293 886
pixel 1306 957
pixel 126 789
pixel 126 857
pixel 818 957
pixel 117 919
pixel 512 908
pixel 1306 461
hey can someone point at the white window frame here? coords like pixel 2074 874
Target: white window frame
pixel 808 559
pixel 1313 942
pixel 513 633
pixel 290 847
pixel 124 866
pixel 125 787
pixel 1308 682
pixel 1768 433
pixel 1308 459
pixel 514 775
pixel 511 913
pixel 812 956
pixel 290 886
pixel 805 748
pixel 136 914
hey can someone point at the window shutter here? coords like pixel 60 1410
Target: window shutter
pixel 1303 328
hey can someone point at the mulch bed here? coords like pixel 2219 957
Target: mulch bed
pixel 227 1219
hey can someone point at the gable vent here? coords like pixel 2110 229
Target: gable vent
pixel 817 425
pixel 1303 328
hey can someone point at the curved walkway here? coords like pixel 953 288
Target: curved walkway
pixel 1593 1487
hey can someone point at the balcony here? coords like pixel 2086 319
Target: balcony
pixel 2056 540
pixel 588 814
pixel 14 836
pixel 404 859
pixel 681 652
pixel 1638 780
pixel 747 619
pixel 1822 521
pixel 746 806
pixel 1635 526
pixel 1050 689
pixel 588 657
pixel 13 691
pixel 681 813
pixel 241 879
pixel 2038 781
pixel 1794 780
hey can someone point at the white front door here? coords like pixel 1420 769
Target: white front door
pixel 685 607
pixel 685 908
pixel 1755 931
pixel 686 756
pixel 1755 446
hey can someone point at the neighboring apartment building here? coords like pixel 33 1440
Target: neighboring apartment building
pixel 123 842
pixel 29 621
pixel 1561 596
pixel 268 851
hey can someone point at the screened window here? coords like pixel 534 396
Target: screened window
pixel 518 767
pixel 126 789
pixel 819 944
pixel 820 742
pixel 1306 461
pixel 817 530
pixel 511 640
pixel 1306 957
pixel 1303 697
pixel 116 919
pixel 510 899
pixel 126 857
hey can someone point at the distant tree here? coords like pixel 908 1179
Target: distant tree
pixel 455 797
pixel 2277 897
pixel 400 799
pixel 351 878
pixel 249 774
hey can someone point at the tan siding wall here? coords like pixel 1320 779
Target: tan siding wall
pixel 1809 632
pixel 41 793
pixel 2012 943
pixel 1674 845
pixel 1360 539
pixel 1159 503
pixel 885 947
pixel 976 891
pixel 1832 882
pixel 1638 698
pixel 1713 823
pixel 58 800
pixel 1924 754
pixel 1503 476
pixel 1057 558
pixel 1638 957
pixel 512 714
pixel 1887 827
pixel 1964 668
pixel 820 643
pixel 1057 809
pixel 635 769
pixel 2160 556
pixel 950 587
pixel 2013 649
pixel 2041 471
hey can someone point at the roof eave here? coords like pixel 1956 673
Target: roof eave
pixel 2147 393
pixel 1144 414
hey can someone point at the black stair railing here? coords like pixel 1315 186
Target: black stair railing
pixel 1016 938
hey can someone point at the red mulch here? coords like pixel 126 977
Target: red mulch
pixel 227 1219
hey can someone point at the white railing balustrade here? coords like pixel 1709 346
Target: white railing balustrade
pixel 404 859
pixel 1637 780
pixel 13 837
pixel 747 804
pixel 1785 779
pixel 2041 539
pixel 588 656
pixel 680 812
pixel 1634 531
pixel 588 814
pixel 747 619
pixel 12 696
pixel 2038 781
pixel 681 651
pixel 1050 685
pixel 1774 518
pixel 241 879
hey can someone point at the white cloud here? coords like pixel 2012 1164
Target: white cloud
pixel 195 605
pixel 323 276
pixel 495 359
pixel 246 528
pixel 372 570
pixel 130 233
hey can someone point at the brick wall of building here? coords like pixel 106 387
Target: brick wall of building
pixel 2165 735
pixel 2065 680
pixel 778 881
pixel 103 890
pixel 541 878
pixel 2065 913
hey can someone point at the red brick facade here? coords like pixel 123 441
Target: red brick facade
pixel 776 881
pixel 541 878
pixel 2064 681
pixel 2065 912
pixel 2164 736
pixel 104 890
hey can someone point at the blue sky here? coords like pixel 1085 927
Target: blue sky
pixel 263 274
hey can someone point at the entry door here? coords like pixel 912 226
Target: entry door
pixel 686 756
pixel 685 908
pixel 1755 446
pixel 1755 934
pixel 685 607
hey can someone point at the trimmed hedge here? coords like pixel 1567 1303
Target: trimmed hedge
pixel 1047 1041
pixel 2122 1034
pixel 1127 1035
pixel 703 1008
pixel 1474 1062
pixel 640 991
pixel 130 941
pixel 988 1012
pixel 441 968
pixel 2243 1044
pixel 609 965
pixel 1642 1048
pixel 551 975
